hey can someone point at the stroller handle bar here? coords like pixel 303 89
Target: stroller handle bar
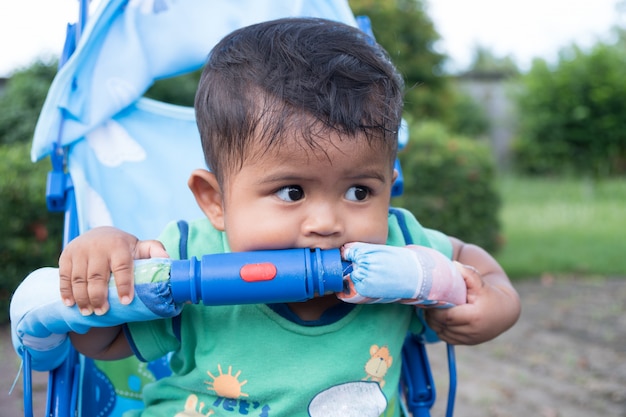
pixel 270 276
pixel 40 321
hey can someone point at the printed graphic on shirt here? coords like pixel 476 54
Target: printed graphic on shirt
pixel 352 399
pixel 363 398
pixel 230 397
pixel 226 385
pixel 378 364
pixel 194 408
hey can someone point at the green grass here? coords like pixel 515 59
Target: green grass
pixel 563 226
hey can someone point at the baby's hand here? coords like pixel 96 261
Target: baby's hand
pixel 475 322
pixel 411 275
pixel 86 264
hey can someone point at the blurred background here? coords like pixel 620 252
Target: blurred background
pixel 516 113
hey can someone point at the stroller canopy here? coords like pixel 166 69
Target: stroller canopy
pixel 127 45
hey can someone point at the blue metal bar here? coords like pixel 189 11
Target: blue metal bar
pixel 417 377
pixel 60 197
pixel 453 380
pixel 27 381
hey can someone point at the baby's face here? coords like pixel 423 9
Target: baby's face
pixel 295 197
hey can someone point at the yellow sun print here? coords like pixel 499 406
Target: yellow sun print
pixel 226 385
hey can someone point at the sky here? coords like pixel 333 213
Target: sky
pixel 521 29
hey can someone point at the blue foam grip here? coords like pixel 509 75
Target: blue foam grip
pixel 271 276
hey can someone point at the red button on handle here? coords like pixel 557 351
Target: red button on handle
pixel 258 272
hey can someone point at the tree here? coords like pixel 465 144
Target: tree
pixel 408 34
pixel 443 170
pixel 486 63
pixel 22 101
pixel 449 184
pixel 404 29
pixel 31 237
pixel 572 113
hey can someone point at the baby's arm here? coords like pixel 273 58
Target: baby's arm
pixel 493 305
pixel 85 267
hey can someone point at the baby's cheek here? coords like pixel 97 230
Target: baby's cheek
pixel 253 237
pixel 371 227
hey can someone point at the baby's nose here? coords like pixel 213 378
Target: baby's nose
pixel 323 220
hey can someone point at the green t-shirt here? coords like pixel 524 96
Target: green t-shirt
pixel 251 360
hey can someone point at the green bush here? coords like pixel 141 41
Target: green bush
pixel 179 90
pixel 22 100
pixel 449 185
pixel 408 34
pixel 572 114
pixel 31 237
pixel 411 43
pixel 467 117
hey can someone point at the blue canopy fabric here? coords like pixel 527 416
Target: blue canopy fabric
pixel 126 45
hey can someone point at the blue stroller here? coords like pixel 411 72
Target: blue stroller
pixel 107 144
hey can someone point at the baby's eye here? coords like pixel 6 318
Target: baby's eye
pixel 290 193
pixel 357 193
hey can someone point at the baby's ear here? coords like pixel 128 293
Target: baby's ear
pixel 208 194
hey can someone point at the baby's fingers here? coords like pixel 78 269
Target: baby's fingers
pixel 85 284
pixel 65 281
pixel 122 267
pixel 150 249
pixel 439 322
pixel 98 276
pixel 455 325
pixel 74 283
pixel 473 281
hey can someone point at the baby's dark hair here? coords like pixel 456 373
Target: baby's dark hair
pixel 295 78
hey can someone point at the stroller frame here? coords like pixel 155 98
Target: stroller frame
pixel 64 394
